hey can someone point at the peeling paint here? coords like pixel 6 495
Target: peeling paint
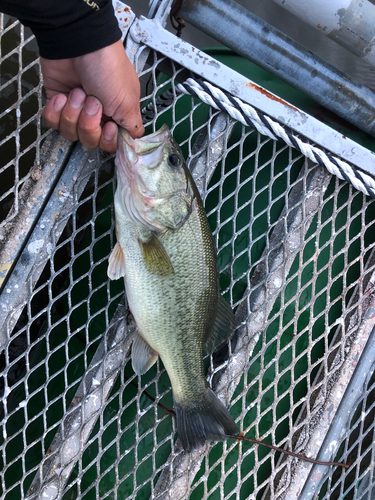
pixel 4 269
pixel 35 246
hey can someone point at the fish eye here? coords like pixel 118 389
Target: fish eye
pixel 173 160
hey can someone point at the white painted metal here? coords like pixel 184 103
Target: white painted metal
pixel 125 16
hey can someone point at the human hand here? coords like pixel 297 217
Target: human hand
pixel 84 92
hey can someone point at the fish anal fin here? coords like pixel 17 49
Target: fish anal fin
pixel 155 257
pixel 222 327
pixel 116 263
pixel 143 356
pixel 203 420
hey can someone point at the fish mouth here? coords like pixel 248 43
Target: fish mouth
pixel 144 145
pixel 133 155
pixel 140 191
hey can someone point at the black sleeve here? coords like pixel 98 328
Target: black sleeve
pixel 66 28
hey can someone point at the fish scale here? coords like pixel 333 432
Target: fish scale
pixel 164 307
pixel 166 253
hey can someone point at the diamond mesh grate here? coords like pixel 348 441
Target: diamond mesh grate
pixel 21 132
pixel 357 448
pixel 295 254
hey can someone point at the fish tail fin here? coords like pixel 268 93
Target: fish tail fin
pixel 204 420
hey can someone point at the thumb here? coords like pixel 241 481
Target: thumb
pixel 109 75
pixel 125 106
pixel 128 116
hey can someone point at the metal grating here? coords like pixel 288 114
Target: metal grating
pixel 295 250
pixel 357 449
pixel 358 482
pixel 21 132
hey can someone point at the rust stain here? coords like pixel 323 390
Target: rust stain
pixel 265 92
pixel 241 435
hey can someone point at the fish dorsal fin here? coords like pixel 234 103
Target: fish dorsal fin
pixel 155 257
pixel 116 263
pixel 143 356
pixel 222 328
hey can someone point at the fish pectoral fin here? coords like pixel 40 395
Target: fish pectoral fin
pixel 222 327
pixel 116 263
pixel 143 356
pixel 155 257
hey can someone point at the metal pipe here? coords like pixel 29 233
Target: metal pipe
pixel 253 38
pixel 350 23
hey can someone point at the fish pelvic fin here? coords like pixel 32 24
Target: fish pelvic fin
pixel 204 420
pixel 143 356
pixel 155 257
pixel 222 327
pixel 116 263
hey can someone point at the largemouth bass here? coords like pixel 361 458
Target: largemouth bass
pixel 166 254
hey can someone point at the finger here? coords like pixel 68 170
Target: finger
pixel 71 113
pixel 108 139
pixel 128 112
pixel 131 120
pixel 135 129
pixel 89 129
pixel 52 110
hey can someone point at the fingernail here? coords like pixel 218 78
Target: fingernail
pixel 59 102
pixel 92 106
pixel 109 131
pixel 77 98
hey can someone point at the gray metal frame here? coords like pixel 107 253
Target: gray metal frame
pixel 48 228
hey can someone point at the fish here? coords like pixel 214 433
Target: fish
pixel 166 254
